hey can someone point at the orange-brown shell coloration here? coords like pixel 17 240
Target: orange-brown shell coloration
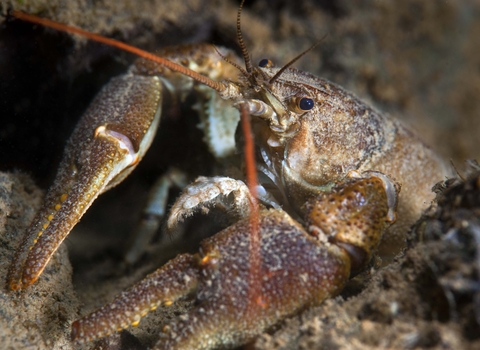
pixel 297 270
pixel 317 148
pixel 331 173
pixel 95 160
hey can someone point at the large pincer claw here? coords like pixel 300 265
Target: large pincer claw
pixel 107 143
pixel 355 215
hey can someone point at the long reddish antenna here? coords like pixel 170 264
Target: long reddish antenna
pixel 255 299
pixel 218 86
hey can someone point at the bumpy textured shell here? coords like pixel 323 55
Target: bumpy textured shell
pixel 342 133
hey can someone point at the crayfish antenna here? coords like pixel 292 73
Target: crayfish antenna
pixel 215 85
pixel 252 183
pixel 295 59
pixel 246 56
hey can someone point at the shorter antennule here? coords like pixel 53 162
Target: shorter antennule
pixel 246 57
pixel 275 77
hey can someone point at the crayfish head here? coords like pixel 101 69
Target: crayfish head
pixel 312 133
pixel 279 104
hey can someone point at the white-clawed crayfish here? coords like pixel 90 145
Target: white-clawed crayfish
pixel 330 171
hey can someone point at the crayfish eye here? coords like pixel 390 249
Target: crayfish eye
pixel 306 104
pixel 265 63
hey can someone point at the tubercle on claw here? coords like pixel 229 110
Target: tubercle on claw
pixel 49 218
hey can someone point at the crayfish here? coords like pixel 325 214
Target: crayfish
pixel 329 168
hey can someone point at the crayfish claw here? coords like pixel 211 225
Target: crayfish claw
pixel 105 146
pixel 355 214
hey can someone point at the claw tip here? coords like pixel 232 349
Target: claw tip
pixel 75 331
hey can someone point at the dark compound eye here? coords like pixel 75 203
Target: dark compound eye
pixel 306 104
pixel 265 63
